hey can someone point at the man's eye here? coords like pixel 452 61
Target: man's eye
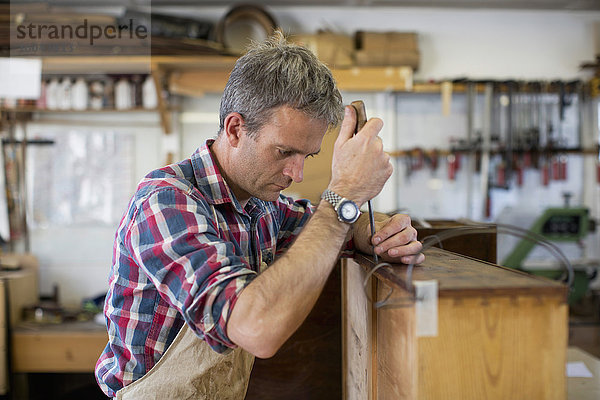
pixel 284 153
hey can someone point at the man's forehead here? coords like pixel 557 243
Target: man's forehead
pixel 293 130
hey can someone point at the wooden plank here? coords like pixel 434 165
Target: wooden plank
pixel 165 115
pixel 198 82
pixel 51 349
pixel 374 79
pixel 496 348
pixel 463 276
pixel 397 362
pixel 374 283
pixel 131 64
pixel 358 370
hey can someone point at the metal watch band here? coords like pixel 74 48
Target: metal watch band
pixel 332 197
pixel 337 201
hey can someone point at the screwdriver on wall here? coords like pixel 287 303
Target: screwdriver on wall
pixel 361 120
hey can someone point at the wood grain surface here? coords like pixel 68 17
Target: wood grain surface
pixel 459 275
pixel 501 334
pixel 309 364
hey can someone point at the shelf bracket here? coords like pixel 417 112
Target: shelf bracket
pixel 158 75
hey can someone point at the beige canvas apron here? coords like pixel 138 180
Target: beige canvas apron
pixel 190 369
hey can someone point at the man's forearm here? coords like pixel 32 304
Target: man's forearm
pixel 274 305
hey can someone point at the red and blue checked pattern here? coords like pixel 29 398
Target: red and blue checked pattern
pixel 183 252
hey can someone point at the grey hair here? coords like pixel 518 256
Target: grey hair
pixel 277 73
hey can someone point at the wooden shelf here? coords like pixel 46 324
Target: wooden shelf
pixel 131 64
pixel 197 82
pixel 198 75
pixel 33 109
pixel 195 76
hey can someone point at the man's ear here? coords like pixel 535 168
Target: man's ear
pixel 233 128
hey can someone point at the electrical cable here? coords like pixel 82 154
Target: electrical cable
pixel 472 228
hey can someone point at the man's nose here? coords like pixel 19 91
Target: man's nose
pixel 294 168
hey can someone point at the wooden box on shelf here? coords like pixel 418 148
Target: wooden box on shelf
pixel 482 246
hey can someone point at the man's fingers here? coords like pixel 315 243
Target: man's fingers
pixel 396 224
pixel 400 239
pixel 372 128
pixel 413 259
pixel 348 125
pixel 413 247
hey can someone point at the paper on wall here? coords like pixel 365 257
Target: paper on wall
pixel 20 78
pixel 426 307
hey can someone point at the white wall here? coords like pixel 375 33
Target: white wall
pixel 477 44
pixel 454 43
pixel 459 42
pixel 76 257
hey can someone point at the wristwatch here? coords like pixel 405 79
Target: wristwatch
pixel 347 210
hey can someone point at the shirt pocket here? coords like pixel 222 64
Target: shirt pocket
pixel 267 257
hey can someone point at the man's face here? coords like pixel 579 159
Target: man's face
pixel 270 161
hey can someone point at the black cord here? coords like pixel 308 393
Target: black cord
pixel 473 228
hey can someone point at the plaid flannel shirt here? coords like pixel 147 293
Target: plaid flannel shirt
pixel 183 252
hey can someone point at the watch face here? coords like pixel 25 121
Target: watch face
pixel 348 211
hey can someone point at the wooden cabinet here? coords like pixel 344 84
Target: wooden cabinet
pixel 66 347
pixel 501 334
pixel 18 289
pixel 482 246
pixel 308 365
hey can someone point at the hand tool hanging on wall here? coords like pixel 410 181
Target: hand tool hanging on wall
pixel 510 135
pixel 452 166
pixel 432 159
pixel 361 120
pixel 548 136
pixel 536 120
pixel 485 147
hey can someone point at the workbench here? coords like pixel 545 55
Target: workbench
pixel 65 347
pixel 499 333
pixel 584 388
pixel 56 360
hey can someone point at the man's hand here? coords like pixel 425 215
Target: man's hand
pixel 395 239
pixel 360 167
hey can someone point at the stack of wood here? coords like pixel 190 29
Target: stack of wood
pixel 364 48
pixel 334 49
pixel 387 48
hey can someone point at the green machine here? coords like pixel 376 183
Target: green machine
pixel 566 224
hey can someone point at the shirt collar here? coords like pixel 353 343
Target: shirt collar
pixel 209 178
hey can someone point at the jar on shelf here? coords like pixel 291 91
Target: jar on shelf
pixel 79 95
pixel 64 94
pixel 149 95
pixel 123 94
pixel 52 94
pixel 96 93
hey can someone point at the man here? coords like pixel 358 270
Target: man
pixel 212 266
